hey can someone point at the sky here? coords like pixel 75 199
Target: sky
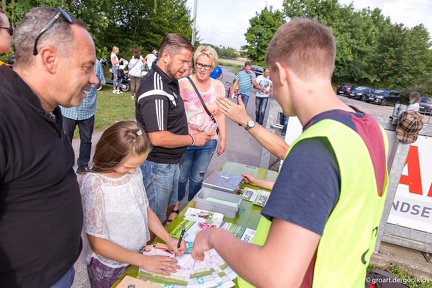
pixel 224 22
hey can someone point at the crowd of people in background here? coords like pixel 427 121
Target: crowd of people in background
pixel 146 166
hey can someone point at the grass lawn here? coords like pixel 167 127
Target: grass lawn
pixel 111 108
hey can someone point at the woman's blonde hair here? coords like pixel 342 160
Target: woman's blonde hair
pixel 114 49
pixel 207 51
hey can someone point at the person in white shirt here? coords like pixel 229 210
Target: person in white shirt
pixel 117 215
pixel 264 87
pixel 136 65
pixel 150 58
pixel 414 98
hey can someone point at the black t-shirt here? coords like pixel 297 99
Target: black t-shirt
pixel 40 203
pixel 159 107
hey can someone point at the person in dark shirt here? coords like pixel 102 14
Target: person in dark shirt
pixel 160 112
pixel 41 215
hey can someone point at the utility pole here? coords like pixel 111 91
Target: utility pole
pixel 194 22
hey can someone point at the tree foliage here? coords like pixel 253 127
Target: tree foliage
pixel 263 26
pixel 224 52
pixel 123 23
pixel 370 49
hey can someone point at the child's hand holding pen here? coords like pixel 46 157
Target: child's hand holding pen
pixel 178 246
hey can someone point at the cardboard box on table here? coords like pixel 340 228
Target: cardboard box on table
pixel 215 200
pixel 223 181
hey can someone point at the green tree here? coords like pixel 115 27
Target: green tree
pixel 370 50
pixel 325 11
pixel 262 28
pixel 124 23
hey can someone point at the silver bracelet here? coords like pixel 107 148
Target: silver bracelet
pixel 193 139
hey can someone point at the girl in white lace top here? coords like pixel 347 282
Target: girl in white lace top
pixel 117 216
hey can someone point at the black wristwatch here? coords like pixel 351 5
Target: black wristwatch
pixel 250 124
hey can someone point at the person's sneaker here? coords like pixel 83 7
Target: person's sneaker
pixel 119 92
pixel 82 170
pixel 114 91
pixel 132 97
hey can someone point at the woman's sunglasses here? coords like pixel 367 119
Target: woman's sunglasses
pixel 10 30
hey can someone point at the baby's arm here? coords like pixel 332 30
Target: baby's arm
pixel 158 264
pixel 157 228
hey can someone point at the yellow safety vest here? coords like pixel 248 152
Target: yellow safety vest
pixel 349 236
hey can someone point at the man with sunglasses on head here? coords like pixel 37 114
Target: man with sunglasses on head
pixel 161 113
pixel 6 34
pixel 40 205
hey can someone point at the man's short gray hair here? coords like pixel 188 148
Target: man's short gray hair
pixel 60 36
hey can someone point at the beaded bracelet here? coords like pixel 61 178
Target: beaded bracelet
pixel 193 139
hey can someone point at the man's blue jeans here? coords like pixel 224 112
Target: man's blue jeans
pixel 245 99
pixel 283 120
pixel 161 184
pixel 193 166
pixel 261 106
pixel 66 280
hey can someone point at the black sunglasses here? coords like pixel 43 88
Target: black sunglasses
pixel 49 25
pixel 10 30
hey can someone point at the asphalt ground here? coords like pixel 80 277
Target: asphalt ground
pixel 243 148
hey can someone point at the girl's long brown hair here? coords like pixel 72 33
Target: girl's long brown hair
pixel 119 141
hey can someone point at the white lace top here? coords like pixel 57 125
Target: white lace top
pixel 116 209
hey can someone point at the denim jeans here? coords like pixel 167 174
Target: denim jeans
pixel 116 83
pixel 66 280
pixel 161 184
pixel 261 106
pixel 245 99
pixel 193 166
pixel 283 120
pixel 85 132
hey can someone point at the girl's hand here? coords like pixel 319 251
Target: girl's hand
pixel 248 178
pixel 164 265
pixel 172 244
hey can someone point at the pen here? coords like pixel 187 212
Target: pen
pixel 181 237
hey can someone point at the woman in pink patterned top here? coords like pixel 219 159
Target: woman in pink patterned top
pixel 195 161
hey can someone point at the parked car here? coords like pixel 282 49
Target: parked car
pixel 360 92
pixel 258 70
pixel 425 105
pixel 383 96
pixel 345 89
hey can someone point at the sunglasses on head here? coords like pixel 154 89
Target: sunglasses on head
pixel 10 30
pixel 49 25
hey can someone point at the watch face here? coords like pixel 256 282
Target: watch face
pixel 250 124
